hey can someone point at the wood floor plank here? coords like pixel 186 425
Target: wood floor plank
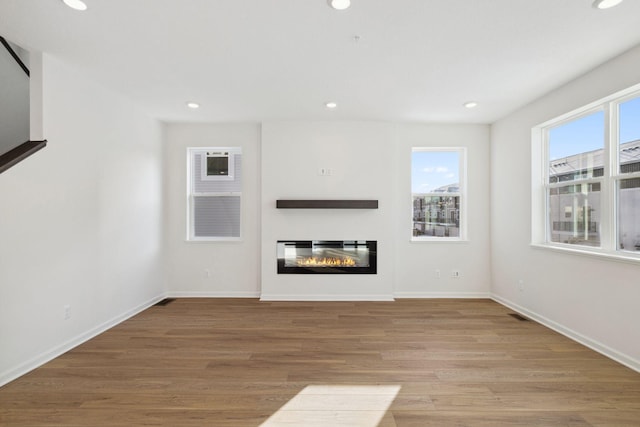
pixel 242 362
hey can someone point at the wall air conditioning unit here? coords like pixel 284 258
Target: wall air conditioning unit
pixel 218 166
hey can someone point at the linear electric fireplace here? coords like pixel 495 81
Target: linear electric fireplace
pixel 327 257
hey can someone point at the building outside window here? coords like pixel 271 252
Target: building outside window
pixel 576 163
pixel 591 179
pixel 628 176
pixel 438 196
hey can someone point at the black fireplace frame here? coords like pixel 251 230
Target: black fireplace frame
pixel 371 245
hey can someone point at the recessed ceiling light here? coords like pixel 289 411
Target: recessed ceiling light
pixel 331 105
pixel 76 4
pixel 340 4
pixel 193 105
pixel 606 4
pixel 470 104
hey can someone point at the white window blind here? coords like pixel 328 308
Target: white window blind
pixel 214 211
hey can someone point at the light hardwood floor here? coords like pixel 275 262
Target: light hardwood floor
pixel 241 362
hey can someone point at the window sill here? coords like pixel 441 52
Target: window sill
pixel 215 240
pixel 438 240
pixel 626 257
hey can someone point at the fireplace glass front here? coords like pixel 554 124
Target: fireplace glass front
pixel 327 257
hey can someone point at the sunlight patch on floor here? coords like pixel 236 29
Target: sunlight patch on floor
pixel 337 406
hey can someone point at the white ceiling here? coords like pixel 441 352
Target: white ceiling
pixel 255 60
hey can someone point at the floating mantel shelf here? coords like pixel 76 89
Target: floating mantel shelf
pixel 327 204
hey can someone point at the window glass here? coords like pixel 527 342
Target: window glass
pixel 436 216
pixel 574 214
pixel 629 214
pixel 576 152
pixel 576 149
pixel 436 188
pixel 434 171
pixel 629 131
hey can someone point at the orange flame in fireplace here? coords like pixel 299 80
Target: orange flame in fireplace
pixel 326 262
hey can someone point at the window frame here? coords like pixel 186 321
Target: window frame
pixel 192 194
pixel 462 194
pixel 548 185
pixel 541 226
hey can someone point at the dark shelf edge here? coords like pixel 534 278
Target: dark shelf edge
pixel 21 152
pixel 327 204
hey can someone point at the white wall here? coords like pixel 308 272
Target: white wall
pixel 417 262
pixel 361 158
pixel 368 160
pixel 592 300
pixel 80 223
pixel 233 266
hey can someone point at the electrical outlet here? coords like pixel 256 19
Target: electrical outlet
pixel 67 312
pixel 455 274
pixel 324 172
pixel 438 275
pixel 521 285
pixel 207 273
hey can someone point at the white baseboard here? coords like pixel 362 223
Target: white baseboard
pixel 603 349
pixel 35 362
pixel 289 297
pixel 465 295
pixel 214 294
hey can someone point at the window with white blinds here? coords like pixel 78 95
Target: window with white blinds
pixel 214 178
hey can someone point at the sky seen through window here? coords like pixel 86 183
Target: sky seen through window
pixel 587 133
pixel 431 170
